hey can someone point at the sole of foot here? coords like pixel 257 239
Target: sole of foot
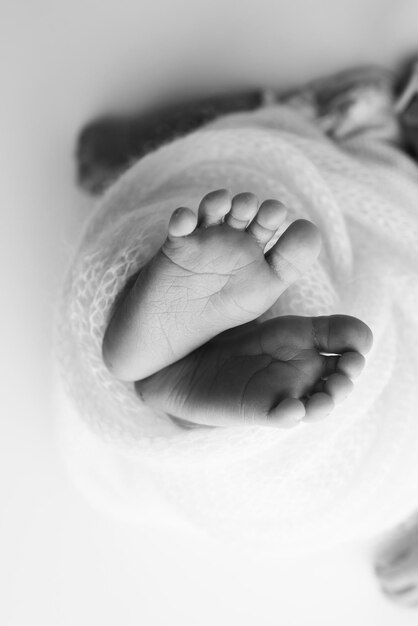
pixel 276 373
pixel 211 274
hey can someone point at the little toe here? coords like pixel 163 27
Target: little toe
pixel 341 333
pixel 351 364
pixel 269 217
pixel 243 208
pixel 318 406
pixel 213 207
pixel 339 387
pixel 287 414
pixel 182 222
pixel 295 251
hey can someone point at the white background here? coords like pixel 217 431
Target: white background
pixel 61 562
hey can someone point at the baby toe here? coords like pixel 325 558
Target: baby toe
pixel 351 364
pixel 318 406
pixel 243 208
pixel 342 333
pixel 339 387
pixel 287 414
pixel 182 222
pixel 269 217
pixel 213 207
pixel 295 251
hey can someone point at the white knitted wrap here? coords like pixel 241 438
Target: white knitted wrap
pixel 347 477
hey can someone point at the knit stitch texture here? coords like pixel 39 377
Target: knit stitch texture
pixel 350 476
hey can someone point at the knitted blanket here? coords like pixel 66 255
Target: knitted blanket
pixel 348 477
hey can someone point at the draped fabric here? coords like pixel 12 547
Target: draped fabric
pixel 292 491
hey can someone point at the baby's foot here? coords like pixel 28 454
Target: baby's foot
pixel 211 274
pixel 273 373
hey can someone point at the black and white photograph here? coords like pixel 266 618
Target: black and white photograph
pixel 209 401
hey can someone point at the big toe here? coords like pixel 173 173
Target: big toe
pixel 295 251
pixel 342 333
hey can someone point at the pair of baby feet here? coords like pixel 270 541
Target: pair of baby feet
pixel 185 330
